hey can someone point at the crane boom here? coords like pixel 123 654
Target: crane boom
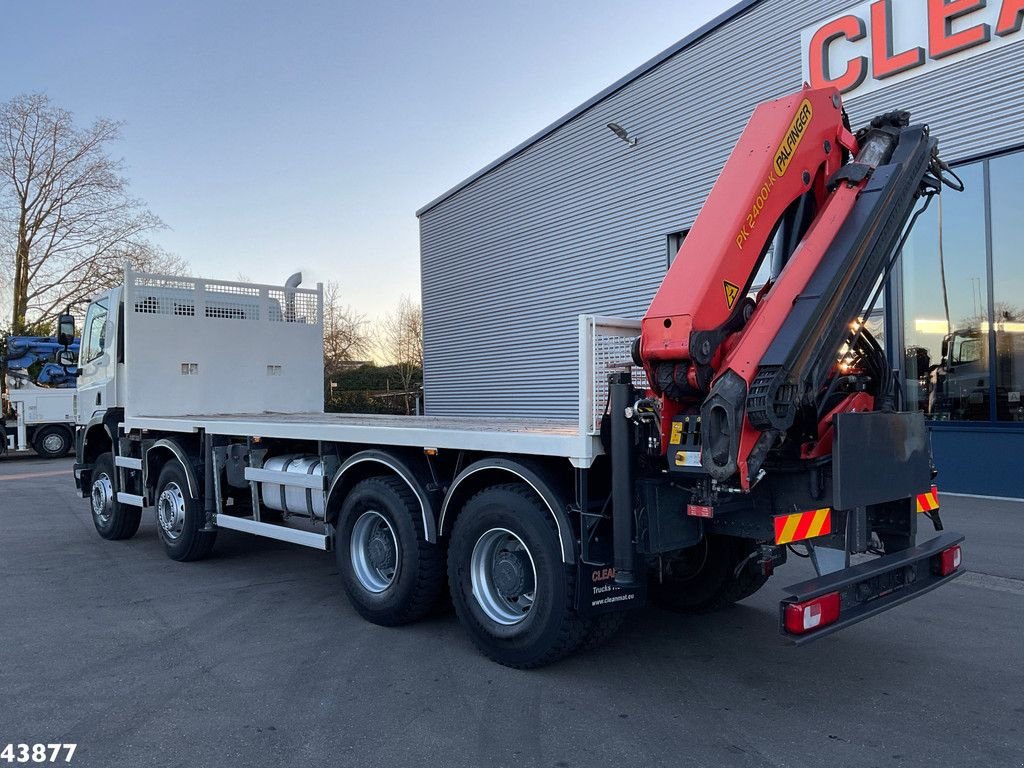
pixel 835 206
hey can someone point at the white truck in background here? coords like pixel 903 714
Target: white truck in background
pixel 35 417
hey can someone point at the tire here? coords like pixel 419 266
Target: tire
pixel 507 527
pixel 179 518
pixel 703 578
pixel 113 521
pixel 600 629
pixel 391 574
pixel 3 440
pixel 52 442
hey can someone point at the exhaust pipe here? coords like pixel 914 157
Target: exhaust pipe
pixel 620 388
pixel 290 285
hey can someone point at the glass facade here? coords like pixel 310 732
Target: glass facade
pixel 1007 337
pixel 963 300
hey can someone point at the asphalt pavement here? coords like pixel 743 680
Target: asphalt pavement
pixel 254 658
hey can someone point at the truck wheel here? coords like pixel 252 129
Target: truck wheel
pixel 3 440
pixel 391 574
pixel 52 442
pixel 113 521
pixel 179 518
pixel 703 577
pixel 511 590
pixel 600 629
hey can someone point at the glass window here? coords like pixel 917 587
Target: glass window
pixel 764 273
pixel 675 242
pixel 94 336
pixel 945 367
pixel 1005 174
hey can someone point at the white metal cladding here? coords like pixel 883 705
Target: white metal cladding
pixel 198 346
pixel 577 222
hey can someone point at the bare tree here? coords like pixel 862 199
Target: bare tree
pixel 1004 313
pixel 400 340
pixel 67 222
pixel 345 332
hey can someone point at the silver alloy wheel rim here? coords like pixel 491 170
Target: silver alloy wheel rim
pixel 170 511
pixel 374 552
pixel 102 498
pixel 497 555
pixel 53 443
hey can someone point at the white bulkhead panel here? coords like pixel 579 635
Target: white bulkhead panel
pixel 214 347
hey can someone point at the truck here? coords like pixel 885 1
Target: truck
pixel 37 412
pixel 715 436
pixel 959 385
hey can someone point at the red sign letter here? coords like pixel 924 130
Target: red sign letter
pixel 851 28
pixel 1010 17
pixel 885 63
pixel 942 41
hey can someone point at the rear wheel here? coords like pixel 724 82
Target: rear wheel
pixel 180 520
pixel 391 574
pixel 704 577
pixel 52 442
pixel 600 629
pixel 113 521
pixel 511 590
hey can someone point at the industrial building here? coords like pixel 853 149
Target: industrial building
pixel 585 218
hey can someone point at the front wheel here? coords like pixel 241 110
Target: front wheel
pixel 180 520
pixel 511 590
pixel 52 442
pixel 113 521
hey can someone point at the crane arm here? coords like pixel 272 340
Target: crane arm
pixel 836 206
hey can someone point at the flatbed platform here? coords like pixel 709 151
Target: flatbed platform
pixel 538 437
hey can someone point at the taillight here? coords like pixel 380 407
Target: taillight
pixel 700 510
pixel 947 561
pixel 801 618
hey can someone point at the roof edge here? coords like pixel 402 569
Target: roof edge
pixel 615 87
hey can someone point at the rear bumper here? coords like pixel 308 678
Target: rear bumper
pixel 869 588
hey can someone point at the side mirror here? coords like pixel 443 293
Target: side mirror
pixel 66 359
pixel 66 330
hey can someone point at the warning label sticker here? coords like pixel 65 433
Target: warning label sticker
pixel 687 458
pixel 677 433
pixel 731 292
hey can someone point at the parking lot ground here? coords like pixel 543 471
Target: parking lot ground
pixel 253 658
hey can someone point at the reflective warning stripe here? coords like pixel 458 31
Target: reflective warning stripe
pixel 802 525
pixel 928 501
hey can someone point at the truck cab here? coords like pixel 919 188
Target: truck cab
pixel 101 358
pixel 960 386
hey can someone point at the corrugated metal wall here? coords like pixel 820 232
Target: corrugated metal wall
pixel 577 222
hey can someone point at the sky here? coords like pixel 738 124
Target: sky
pixel 285 136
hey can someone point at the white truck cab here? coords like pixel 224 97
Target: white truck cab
pixel 101 358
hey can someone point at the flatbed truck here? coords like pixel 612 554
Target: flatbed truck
pixel 670 485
